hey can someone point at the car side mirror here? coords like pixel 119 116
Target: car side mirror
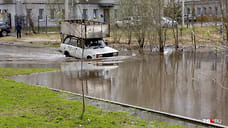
pixel 106 43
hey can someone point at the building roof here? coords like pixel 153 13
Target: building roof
pixel 106 2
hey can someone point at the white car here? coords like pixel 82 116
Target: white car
pixel 168 22
pixel 93 48
pixel 128 20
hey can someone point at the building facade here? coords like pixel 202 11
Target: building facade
pixel 203 7
pixel 50 12
pixel 207 8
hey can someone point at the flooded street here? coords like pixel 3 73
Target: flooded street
pixel 192 84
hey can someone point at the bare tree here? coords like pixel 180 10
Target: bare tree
pixel 29 16
pixel 158 7
pixel 224 12
pixel 146 19
pixel 175 10
pixel 141 23
pixel 193 27
pixel 56 10
pixel 126 13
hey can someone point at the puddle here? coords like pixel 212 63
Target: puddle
pixel 192 84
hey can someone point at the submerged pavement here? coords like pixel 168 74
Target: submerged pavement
pixel 192 84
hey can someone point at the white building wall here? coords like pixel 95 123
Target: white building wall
pixel 76 11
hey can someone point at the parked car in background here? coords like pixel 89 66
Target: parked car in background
pixel 129 20
pixel 168 22
pixel 189 18
pixel 94 48
pixel 4 29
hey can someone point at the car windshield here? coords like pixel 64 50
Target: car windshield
pixel 95 43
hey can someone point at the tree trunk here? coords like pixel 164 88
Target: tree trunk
pixel 226 27
pixel 160 33
pixel 30 20
pixel 31 24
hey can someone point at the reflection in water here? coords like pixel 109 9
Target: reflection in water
pixel 192 84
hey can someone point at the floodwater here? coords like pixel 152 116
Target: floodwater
pixel 192 84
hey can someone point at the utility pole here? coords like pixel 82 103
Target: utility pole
pixel 183 12
pixel 66 9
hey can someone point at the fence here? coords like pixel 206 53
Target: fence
pixel 43 25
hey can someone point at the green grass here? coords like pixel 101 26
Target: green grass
pixel 23 105
pixel 204 35
pixel 5 72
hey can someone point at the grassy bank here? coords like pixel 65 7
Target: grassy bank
pixel 204 35
pixel 23 105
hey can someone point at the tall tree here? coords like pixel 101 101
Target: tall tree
pixel 224 12
pixel 146 17
pixel 29 16
pixel 173 10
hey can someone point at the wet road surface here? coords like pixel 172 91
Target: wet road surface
pixel 192 84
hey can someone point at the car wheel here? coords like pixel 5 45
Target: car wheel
pixel 89 57
pixel 66 54
pixel 166 25
pixel 4 33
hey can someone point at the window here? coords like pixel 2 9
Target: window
pixel 52 14
pixel 74 41
pixel 41 13
pixel 198 11
pixel 85 15
pixel 216 11
pixel 115 13
pixel 67 41
pixel 188 11
pixel 63 13
pixel 79 43
pixel 95 13
pixel 204 11
pixel 210 11
pixel 193 12
pixel 29 12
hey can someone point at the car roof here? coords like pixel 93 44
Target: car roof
pixel 71 36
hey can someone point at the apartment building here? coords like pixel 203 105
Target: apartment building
pixel 200 7
pixel 50 12
pixel 203 7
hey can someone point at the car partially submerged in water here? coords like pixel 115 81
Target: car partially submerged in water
pixel 93 48
pixel 84 39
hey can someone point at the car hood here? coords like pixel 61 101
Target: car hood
pixel 101 50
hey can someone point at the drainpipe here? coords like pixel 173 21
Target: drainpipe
pixel 183 12
pixel 66 9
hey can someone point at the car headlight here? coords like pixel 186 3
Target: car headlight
pixel 115 54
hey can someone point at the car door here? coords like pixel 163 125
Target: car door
pixel 70 45
pixel 65 44
pixel 78 50
pixel 75 47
